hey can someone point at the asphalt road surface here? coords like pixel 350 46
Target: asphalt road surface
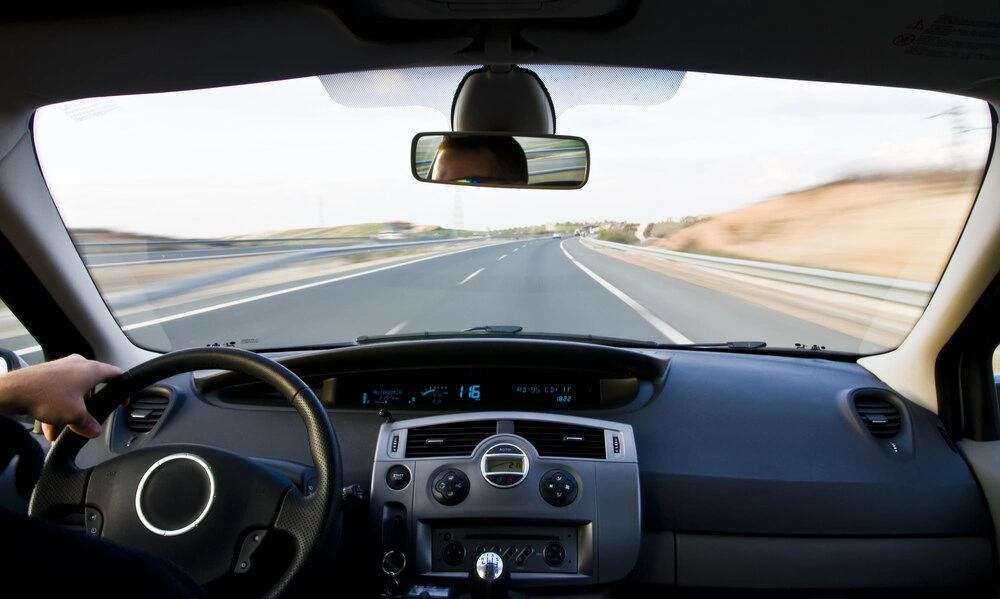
pixel 543 285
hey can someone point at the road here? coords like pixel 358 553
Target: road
pixel 542 285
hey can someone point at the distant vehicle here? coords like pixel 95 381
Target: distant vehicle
pixel 556 235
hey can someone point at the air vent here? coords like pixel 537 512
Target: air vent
pixel 144 411
pixel 555 439
pixel 879 415
pixel 445 440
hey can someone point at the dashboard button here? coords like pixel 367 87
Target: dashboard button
pixel 451 487
pixel 453 554
pixel 397 477
pixel 558 488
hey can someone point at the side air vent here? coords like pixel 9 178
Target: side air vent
pixel 879 415
pixel 555 439
pixel 144 410
pixel 445 440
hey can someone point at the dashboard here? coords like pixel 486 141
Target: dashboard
pixel 585 465
pixel 470 391
pixel 528 487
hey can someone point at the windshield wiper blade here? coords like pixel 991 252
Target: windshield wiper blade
pixel 506 329
pixel 498 330
pixel 726 344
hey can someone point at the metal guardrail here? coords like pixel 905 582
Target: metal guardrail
pixel 912 293
pixel 164 253
pixel 100 245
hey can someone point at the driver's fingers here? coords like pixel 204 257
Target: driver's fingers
pixel 51 431
pixel 85 427
pixel 102 373
pixel 90 428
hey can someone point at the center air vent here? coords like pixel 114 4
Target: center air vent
pixel 879 415
pixel 144 410
pixel 562 440
pixel 441 440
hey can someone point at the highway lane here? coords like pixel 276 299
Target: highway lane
pixel 530 284
pixel 534 284
pixel 703 315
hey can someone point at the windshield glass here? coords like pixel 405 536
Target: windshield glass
pixel 717 208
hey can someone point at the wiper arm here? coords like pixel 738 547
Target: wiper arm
pixel 508 329
pixel 726 344
pixel 500 330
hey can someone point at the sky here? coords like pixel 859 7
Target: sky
pixel 284 155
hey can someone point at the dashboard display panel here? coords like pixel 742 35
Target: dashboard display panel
pixel 467 392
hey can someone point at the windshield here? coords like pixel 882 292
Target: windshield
pixel 717 208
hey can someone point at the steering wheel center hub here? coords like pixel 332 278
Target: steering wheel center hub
pixel 175 494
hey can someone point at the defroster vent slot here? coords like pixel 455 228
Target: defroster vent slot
pixel 553 439
pixel 448 440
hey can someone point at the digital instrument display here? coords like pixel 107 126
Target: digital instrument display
pixel 503 464
pixel 466 392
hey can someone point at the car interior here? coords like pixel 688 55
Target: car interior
pixel 512 298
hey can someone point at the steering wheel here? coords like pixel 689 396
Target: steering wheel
pixel 203 508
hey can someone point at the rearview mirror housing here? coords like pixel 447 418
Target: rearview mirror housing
pixel 500 160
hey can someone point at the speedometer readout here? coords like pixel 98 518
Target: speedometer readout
pixel 465 394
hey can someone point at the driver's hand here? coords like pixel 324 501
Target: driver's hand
pixel 54 393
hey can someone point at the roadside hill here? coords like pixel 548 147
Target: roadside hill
pixel 900 226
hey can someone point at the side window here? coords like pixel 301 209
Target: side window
pixel 996 368
pixel 14 337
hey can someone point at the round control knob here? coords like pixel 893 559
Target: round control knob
pixel 453 553
pixel 554 554
pixel 558 487
pixel 450 487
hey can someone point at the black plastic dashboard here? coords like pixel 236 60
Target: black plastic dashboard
pixel 737 470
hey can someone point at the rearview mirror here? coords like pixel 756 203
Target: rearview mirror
pixel 500 160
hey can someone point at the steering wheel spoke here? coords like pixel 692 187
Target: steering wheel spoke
pixel 61 493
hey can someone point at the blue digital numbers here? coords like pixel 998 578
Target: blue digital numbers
pixel 474 392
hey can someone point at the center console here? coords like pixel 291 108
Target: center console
pixel 557 497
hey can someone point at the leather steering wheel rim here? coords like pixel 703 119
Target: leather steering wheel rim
pixel 306 518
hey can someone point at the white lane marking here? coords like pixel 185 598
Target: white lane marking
pixel 466 279
pixel 515 249
pixel 397 328
pixel 28 350
pixel 255 298
pixel 501 257
pixel 670 332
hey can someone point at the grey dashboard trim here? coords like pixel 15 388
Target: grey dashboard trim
pixel 605 513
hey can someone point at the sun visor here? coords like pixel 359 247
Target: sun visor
pixel 503 99
pixel 567 86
